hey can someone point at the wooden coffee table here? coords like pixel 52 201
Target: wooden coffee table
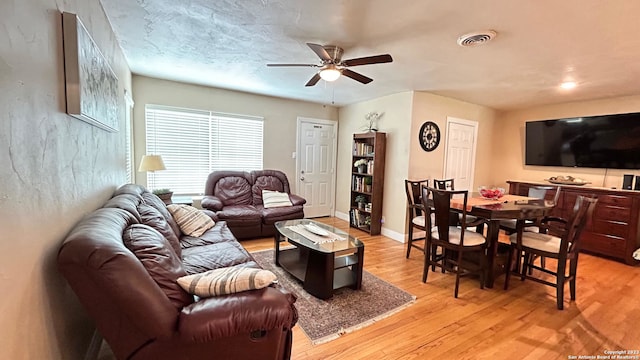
pixel 321 267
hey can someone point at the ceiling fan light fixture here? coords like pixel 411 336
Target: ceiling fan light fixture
pixel 330 73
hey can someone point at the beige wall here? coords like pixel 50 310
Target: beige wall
pixel 509 151
pixel 280 116
pixel 55 169
pixel 430 107
pixel 396 122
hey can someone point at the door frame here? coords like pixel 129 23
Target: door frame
pixel 474 124
pixel 334 144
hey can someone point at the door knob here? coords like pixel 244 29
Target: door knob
pixel 302 178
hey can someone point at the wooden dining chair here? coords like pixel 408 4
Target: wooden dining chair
pixel 536 192
pixel 453 239
pixel 415 212
pixel 443 184
pixel 559 239
pixel 449 184
pixel 532 225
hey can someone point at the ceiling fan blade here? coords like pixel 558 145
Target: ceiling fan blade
pixel 355 76
pixel 314 80
pixel 378 59
pixel 305 65
pixel 320 51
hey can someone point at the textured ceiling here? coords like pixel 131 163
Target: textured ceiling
pixel 540 43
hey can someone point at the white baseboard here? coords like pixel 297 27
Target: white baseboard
pixel 384 231
pixel 342 216
pixel 393 234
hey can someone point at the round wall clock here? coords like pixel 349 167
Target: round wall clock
pixel 429 136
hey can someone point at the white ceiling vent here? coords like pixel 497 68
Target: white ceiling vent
pixel 476 38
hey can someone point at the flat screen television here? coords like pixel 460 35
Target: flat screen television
pixel 607 141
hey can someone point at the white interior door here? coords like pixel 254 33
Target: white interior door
pixel 460 154
pixel 316 154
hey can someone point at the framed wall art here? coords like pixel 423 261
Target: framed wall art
pixel 91 85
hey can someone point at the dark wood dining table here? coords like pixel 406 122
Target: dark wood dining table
pixel 505 208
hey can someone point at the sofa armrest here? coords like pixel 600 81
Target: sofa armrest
pixel 212 203
pixel 211 214
pixel 223 316
pixel 297 200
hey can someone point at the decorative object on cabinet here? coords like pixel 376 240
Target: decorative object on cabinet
pixel 361 164
pixel 491 193
pixel 91 86
pixel 372 121
pixel 361 200
pixel 367 184
pixel 566 180
pixel 614 230
pixel 164 195
pixel 429 136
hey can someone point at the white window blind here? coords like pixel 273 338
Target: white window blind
pixel 193 143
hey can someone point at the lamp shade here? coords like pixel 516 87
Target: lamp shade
pixel 151 163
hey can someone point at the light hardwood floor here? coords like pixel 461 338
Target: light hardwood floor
pixel 520 323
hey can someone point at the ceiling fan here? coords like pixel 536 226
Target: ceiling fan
pixel 332 65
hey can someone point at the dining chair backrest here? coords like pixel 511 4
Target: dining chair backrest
pixel 441 204
pixel 582 211
pixel 415 211
pixel 412 188
pixel 444 184
pixel 540 192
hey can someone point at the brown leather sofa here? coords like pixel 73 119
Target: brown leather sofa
pixel 236 197
pixel 118 262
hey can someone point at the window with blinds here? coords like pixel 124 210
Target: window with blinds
pixel 193 143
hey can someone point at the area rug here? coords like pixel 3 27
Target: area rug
pixel 348 310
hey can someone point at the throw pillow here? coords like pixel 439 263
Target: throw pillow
pixel 227 280
pixel 272 199
pixel 191 221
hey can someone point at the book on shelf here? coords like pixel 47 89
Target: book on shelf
pixel 362 149
pixel 359 219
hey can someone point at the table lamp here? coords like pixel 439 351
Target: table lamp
pixel 151 163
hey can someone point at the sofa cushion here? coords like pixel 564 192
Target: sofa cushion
pixel 199 259
pixel 218 233
pixel 152 217
pixel 191 221
pixel 271 215
pixel 267 180
pixel 273 199
pixel 233 190
pixel 228 280
pixel 159 259
pixel 159 205
pixel 240 213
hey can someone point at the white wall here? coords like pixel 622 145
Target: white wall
pixel 55 169
pixel 396 122
pixel 280 116
pixel 509 151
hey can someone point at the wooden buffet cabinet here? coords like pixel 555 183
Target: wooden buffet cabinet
pixel 613 229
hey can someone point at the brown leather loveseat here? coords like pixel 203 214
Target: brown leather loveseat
pixel 236 197
pixel 123 260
